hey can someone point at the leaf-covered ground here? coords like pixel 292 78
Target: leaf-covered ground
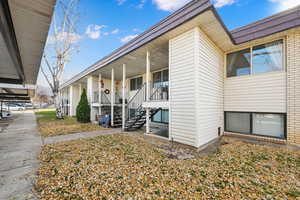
pixel 128 167
pixel 49 126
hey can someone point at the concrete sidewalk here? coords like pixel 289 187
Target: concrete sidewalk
pixel 20 144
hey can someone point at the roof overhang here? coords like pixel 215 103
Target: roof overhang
pixel 197 13
pixel 181 16
pixel 10 92
pixel 24 28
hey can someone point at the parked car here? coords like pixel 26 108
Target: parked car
pixel 15 107
pixel 28 106
pixel 5 113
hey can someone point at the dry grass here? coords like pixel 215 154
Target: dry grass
pixel 49 126
pixel 128 167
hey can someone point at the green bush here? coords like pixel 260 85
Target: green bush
pixel 83 109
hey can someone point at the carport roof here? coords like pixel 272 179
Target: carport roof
pixel 277 23
pixel 24 28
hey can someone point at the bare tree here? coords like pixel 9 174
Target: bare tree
pixel 60 45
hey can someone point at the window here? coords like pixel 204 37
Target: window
pixel 238 122
pixel 132 112
pixel 238 63
pixel 265 58
pixel 263 124
pixel 136 83
pixel 269 125
pixel 161 78
pixel 161 116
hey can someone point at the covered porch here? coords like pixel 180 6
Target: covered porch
pixel 134 90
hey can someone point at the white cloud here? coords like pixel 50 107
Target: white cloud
pixel 64 36
pixel 116 31
pixel 221 3
pixel 171 5
pixel 120 2
pixel 141 4
pixel 128 38
pixel 168 5
pixel 94 31
pixel 286 4
pixel 136 30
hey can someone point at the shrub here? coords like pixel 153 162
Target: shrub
pixel 83 109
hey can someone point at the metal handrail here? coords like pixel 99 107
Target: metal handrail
pixel 141 91
pixel 132 98
pixel 156 95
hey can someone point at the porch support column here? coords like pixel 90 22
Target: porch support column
pixel 99 92
pixel 148 91
pixel 80 90
pixel 112 96
pixel 90 96
pixel 71 100
pixel 123 96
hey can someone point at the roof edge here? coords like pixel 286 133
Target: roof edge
pixel 189 11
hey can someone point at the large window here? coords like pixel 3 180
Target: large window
pixel 264 124
pixel 267 57
pixel 268 124
pixel 136 83
pixel 238 122
pixel 161 116
pixel 238 63
pixel 161 78
pixel 258 59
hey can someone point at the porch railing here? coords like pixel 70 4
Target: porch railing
pixel 160 92
pixel 105 99
pixel 135 104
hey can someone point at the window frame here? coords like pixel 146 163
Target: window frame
pixel 161 122
pixel 161 72
pixel 251 124
pixel 251 58
pixel 135 85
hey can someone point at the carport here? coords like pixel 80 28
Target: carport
pixel 24 26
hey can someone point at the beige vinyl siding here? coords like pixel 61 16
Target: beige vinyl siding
pixel 182 89
pixel 209 88
pixel 256 93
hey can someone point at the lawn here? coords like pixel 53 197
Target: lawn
pixel 49 126
pixel 129 167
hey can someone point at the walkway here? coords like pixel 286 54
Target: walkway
pixel 75 136
pixel 19 146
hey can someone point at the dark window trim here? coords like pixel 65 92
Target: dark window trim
pixel 161 72
pixel 135 78
pixel 251 57
pixel 251 124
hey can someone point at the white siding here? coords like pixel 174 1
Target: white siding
pixel 256 93
pixel 182 127
pixel 210 83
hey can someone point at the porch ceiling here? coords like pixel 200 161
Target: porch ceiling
pixel 136 61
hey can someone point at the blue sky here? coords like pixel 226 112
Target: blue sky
pixel 108 24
